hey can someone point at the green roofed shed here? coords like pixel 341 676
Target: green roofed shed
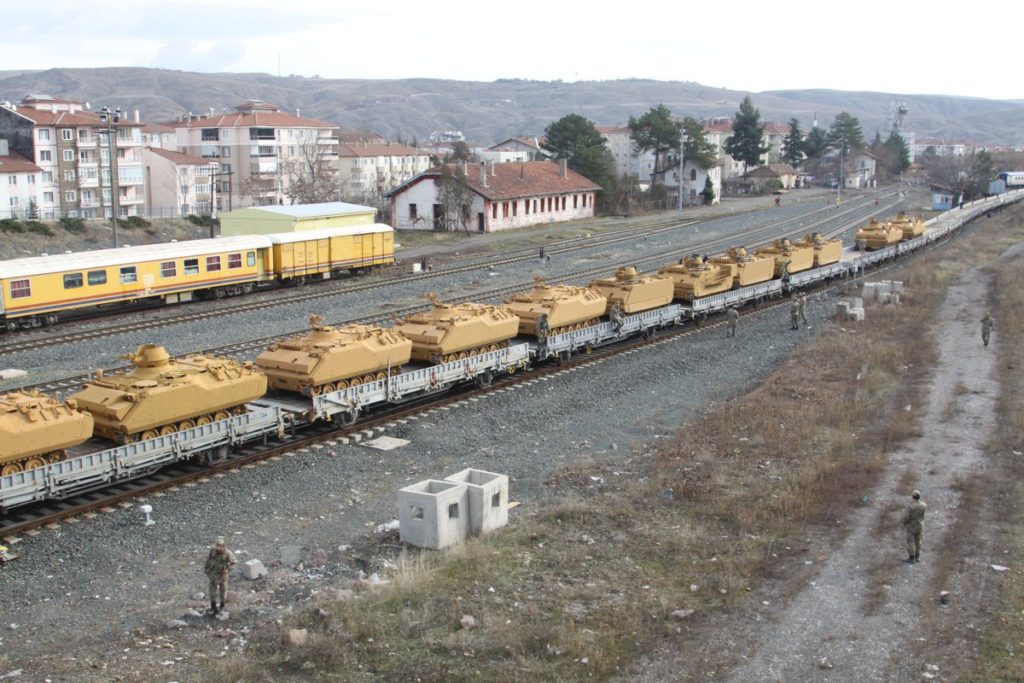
pixel 263 220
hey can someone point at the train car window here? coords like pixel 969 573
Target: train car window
pixel 250 258
pixel 20 289
pixel 212 264
pixel 97 277
pixel 168 269
pixel 72 281
pixel 191 266
pixel 128 275
pixel 234 261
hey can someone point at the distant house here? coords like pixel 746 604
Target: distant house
pixel 504 196
pixel 762 179
pixel 178 184
pixel 865 167
pixel 369 170
pixel 787 175
pixel 943 198
pixel 20 190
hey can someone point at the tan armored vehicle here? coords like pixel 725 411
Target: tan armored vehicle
pixel 35 429
pixel 789 257
pixel 448 332
pixel 554 309
pixel 825 251
pixel 747 269
pixel 912 226
pixel 631 292
pixel 329 358
pixel 694 277
pixel 876 235
pixel 162 396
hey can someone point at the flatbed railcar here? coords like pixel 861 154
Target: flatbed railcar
pixel 274 417
pixel 39 290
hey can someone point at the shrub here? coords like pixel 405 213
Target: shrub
pixel 203 221
pixel 132 222
pixel 38 228
pixel 76 226
pixel 11 225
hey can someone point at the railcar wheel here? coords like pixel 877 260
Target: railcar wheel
pixel 348 418
pixel 484 379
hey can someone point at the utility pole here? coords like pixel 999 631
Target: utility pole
pixel 682 169
pixel 109 118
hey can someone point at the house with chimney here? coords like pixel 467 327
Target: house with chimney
pixel 504 196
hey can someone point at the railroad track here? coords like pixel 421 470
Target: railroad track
pixel 246 350
pixel 569 245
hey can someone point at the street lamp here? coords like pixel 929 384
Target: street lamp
pixel 109 118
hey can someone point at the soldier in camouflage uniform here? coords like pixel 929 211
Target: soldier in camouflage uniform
pixel 733 316
pixel 794 315
pixel 801 303
pixel 218 563
pixel 913 523
pixel 987 323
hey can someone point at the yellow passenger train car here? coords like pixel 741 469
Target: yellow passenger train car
pixel 39 290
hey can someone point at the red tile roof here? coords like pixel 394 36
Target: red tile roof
pixel 353 136
pixel 67 118
pixel 251 114
pixel 378 149
pixel 15 163
pixel 517 179
pixel 181 159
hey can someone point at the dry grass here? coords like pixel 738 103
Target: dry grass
pixel 582 588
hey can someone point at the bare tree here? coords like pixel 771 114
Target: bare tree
pixel 455 198
pixel 312 176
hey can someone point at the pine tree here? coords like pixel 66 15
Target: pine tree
pixel 656 131
pixel 746 142
pixel 793 145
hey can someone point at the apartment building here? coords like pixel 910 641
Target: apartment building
pixel 19 185
pixel 178 184
pixel 367 170
pixel 260 151
pixel 71 146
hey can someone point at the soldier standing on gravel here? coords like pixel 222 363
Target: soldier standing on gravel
pixel 218 563
pixel 794 315
pixel 733 316
pixel 913 523
pixel 987 323
pixel 802 305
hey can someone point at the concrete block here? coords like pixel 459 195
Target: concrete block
pixel 856 314
pixel 291 555
pixel 856 302
pixel 488 499
pixel 843 310
pixel 897 287
pixel 386 443
pixel 884 297
pixel 253 569
pixel 895 301
pixel 12 373
pixel 433 513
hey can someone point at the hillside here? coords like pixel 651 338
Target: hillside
pixel 487 112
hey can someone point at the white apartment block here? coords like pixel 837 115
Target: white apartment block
pixel 70 145
pixel 259 150
pixel 367 171
pixel 19 185
pixel 178 184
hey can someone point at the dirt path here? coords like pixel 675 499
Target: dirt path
pixel 867 615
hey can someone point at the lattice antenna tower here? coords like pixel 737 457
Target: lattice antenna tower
pixel 897 113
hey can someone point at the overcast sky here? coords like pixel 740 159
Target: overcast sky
pixel 885 46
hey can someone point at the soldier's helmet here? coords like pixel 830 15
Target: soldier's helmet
pixel 915 494
pixel 220 541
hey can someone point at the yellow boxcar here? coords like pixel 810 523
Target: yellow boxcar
pixel 327 252
pixel 37 290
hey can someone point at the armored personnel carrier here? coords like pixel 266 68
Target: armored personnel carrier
pixel 825 251
pixel 694 276
pixel 329 358
pixel 448 332
pixel 789 257
pixel 912 226
pixel 36 428
pixel 746 269
pixel 161 396
pixel 877 235
pixel 554 309
pixel 631 292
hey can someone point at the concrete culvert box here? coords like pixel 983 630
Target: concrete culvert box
pixel 488 499
pixel 433 513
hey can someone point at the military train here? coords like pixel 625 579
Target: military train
pixel 162 410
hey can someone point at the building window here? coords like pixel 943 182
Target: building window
pixel 412 212
pixel 515 208
pixel 69 154
pixel 191 266
pixel 47 177
pixel 563 203
pixel 45 155
pixel 44 136
pixel 72 281
pixel 128 275
pixel 168 269
pixel 12 180
pixel 47 198
pixel 494 210
pixel 234 261
pixel 693 174
pixel 261 134
pixel 67 134
pixel 212 264
pixel 70 196
pixel 575 201
pixel 453 511
pixel 208 135
pixel 225 152
pixel 97 277
pixel 20 289
pixel 69 176
pixel 14 202
pixel 504 209
pixel 526 207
